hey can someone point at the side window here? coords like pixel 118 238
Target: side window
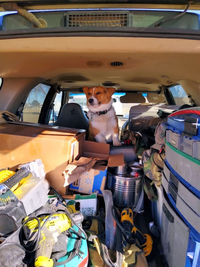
pixel 78 98
pixel 34 103
pixel 179 95
pixel 55 109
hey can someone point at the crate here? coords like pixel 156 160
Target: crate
pixel 185 167
pixel 179 241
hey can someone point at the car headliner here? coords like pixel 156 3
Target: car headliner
pixel 86 61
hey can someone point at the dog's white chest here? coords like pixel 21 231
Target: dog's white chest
pixel 104 123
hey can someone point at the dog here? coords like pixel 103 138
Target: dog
pixel 103 123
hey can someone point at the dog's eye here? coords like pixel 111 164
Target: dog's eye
pixel 98 93
pixel 89 94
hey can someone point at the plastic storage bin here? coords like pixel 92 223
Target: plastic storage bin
pixel 183 199
pixel 176 188
pixel 185 120
pixel 185 167
pixel 185 143
pixel 174 138
pixel 183 131
pixel 157 207
pixel 180 243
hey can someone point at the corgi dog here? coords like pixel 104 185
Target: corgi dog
pixel 103 123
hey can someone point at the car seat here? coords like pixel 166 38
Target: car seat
pixel 72 116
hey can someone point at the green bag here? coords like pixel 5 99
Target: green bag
pixel 153 163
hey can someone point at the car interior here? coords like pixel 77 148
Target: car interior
pixel 43 73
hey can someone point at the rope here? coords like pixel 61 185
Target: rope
pixel 37 22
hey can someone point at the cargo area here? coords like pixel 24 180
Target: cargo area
pixel 99 134
pixel 50 163
pixel 66 200
pixel 140 197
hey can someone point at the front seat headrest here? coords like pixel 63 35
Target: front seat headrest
pixel 72 116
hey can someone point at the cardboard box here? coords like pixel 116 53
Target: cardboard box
pixel 94 180
pixel 56 147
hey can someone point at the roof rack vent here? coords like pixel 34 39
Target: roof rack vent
pixel 97 19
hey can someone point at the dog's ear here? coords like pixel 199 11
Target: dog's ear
pixel 111 90
pixel 85 90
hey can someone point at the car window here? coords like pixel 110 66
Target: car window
pixel 122 102
pixel 78 98
pixel 70 19
pixel 55 109
pixel 179 95
pixel 34 102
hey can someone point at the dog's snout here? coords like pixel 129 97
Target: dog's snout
pixel 91 100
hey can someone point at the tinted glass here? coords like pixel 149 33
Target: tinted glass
pixel 179 95
pixel 107 18
pixel 34 103
pixel 55 108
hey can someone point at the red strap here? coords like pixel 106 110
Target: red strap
pixel 183 112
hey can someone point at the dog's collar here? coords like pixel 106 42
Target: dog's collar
pixel 103 112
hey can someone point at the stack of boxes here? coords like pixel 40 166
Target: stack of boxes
pixel 180 228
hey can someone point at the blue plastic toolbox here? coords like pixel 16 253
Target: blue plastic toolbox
pixel 185 120
pixel 183 131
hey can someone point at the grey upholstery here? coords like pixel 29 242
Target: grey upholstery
pixel 72 116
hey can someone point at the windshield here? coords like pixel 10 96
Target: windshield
pixel 98 19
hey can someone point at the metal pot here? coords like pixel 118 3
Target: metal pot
pixel 127 190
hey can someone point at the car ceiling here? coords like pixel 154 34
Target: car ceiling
pixel 73 62
pixel 146 64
